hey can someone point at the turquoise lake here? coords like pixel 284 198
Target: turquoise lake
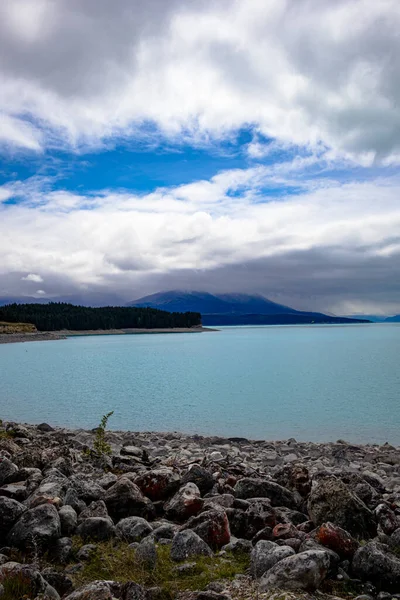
pixel 317 383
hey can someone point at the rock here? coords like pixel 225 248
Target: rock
pixel 187 544
pixel 132 451
pixel 97 529
pixel 86 489
pixel 68 520
pixel 124 499
pixel 331 500
pixel 97 508
pixel 38 526
pixel 158 484
pixel 97 590
pixel 16 491
pixel 394 541
pixel 285 531
pixel 10 512
pixel 107 480
pixel 387 520
pixel 61 550
pixel 238 546
pixel 373 563
pixel 263 488
pixel 259 515
pixel 199 476
pixel 295 477
pixel 304 571
pixel 165 531
pixel 71 499
pixel 133 591
pixel 133 529
pixel 185 503
pixel 265 554
pixel 44 428
pixel 86 551
pixel 32 579
pixel 337 539
pixel 264 534
pixel 212 526
pixel 146 553
pixel 7 470
pixel 58 580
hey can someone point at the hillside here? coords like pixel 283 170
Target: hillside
pixel 234 309
pixel 395 319
pixel 17 327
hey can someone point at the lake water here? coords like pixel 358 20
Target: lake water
pixel 316 383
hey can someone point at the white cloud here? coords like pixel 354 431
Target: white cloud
pixel 41 292
pixel 118 239
pixel 303 72
pixel 33 277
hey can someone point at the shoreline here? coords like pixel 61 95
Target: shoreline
pixel 9 338
pixel 265 514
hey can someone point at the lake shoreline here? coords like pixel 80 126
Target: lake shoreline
pixel 9 338
pixel 278 511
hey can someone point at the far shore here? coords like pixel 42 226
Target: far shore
pixel 9 338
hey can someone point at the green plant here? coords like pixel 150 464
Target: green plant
pixel 100 445
pixel 16 587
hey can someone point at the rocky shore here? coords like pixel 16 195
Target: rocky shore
pixel 150 516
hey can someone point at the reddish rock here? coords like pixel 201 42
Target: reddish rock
pixel 388 521
pixel 158 484
pixel 186 503
pixel 212 526
pixel 337 539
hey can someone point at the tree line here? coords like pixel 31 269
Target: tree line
pixel 61 315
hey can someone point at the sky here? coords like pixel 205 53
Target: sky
pixel 225 146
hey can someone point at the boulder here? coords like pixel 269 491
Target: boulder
pixel 124 499
pixel 96 590
pixel 337 539
pixel 295 477
pixel 86 489
pixel 264 556
pixel 97 508
pixel 260 514
pixel 71 499
pixel 185 503
pixel 165 531
pixel 133 529
pixel 331 500
pixel 10 512
pixel 212 526
pixel 7 470
pixel 68 520
pixel 97 529
pixel 200 476
pixel 374 563
pixel 304 571
pixel 388 521
pixel 61 550
pixel 38 526
pixel 264 488
pixel 158 484
pixel 187 544
pixel 146 553
pixel 58 580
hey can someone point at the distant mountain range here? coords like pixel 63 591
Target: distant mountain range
pixel 235 309
pixel 395 319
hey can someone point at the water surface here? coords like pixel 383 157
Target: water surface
pixel 314 382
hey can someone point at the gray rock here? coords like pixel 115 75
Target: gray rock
pixel 44 428
pixel 132 451
pixel 68 520
pixel 265 555
pixel 7 470
pixel 124 499
pixel 185 503
pixel 238 546
pixel 146 553
pixel 187 544
pixel 133 529
pixel 16 491
pixel 331 500
pixel 374 563
pixel 71 499
pixel 38 526
pixel 304 571
pixel 97 508
pixel 61 550
pixel 86 552
pixel 263 488
pixel 97 590
pixel 58 580
pixel 200 476
pixel 10 512
pixel 165 531
pixel 86 489
pixel 97 529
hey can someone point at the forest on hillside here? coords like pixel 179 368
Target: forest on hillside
pixel 59 315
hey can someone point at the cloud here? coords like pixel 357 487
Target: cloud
pixel 229 231
pixel 303 72
pixel 32 277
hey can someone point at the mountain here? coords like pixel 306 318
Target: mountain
pixel 4 300
pixel 234 309
pixel 395 319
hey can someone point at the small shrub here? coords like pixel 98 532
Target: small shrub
pixel 100 445
pixel 16 587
